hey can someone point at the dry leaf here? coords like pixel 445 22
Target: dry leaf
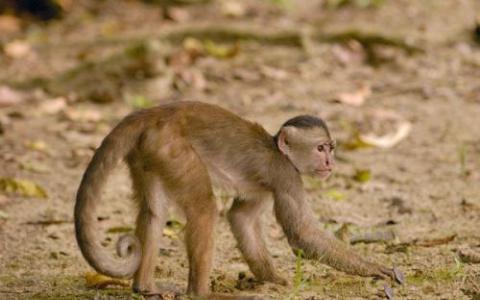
pixel 436 242
pixel 17 49
pixel 362 175
pixel 373 237
pixel 169 232
pixel 221 51
pixel 34 166
pixel 83 115
pixel 99 281
pixel 48 222
pixel 192 78
pixel 234 9
pixel 274 73
pixel 350 53
pixel 39 146
pixel 356 98
pixel 21 187
pixel 120 229
pixel 174 226
pixel 388 140
pixel 9 96
pixel 3 215
pixel 53 106
pixel 335 195
pixel 178 14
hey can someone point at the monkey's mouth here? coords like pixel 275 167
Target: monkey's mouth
pixel 323 172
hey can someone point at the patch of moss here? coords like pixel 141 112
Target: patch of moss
pixel 341 287
pixel 442 274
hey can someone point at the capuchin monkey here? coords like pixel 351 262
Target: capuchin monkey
pixel 175 153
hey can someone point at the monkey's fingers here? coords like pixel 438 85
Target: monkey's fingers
pixel 399 277
pixel 394 273
pixel 388 292
pixel 382 272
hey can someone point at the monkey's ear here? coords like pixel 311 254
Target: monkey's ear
pixel 282 141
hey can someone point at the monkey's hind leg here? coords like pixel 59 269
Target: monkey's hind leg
pixel 188 184
pixel 150 223
pixel 201 216
pixel 244 217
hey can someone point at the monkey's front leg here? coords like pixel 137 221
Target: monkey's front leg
pixel 303 232
pixel 244 217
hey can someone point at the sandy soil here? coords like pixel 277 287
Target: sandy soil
pixel 425 189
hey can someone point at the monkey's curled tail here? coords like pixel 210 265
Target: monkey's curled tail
pixel 112 150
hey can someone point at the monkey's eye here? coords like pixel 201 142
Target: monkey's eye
pixel 333 145
pixel 320 148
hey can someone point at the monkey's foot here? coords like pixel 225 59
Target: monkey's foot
pixel 276 279
pixel 159 292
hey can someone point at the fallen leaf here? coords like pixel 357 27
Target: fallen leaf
pixel 373 237
pixel 362 176
pixel 21 187
pixel 3 215
pixel 221 51
pixel 35 167
pixel 178 14
pixel 120 229
pixel 9 96
pixel 48 222
pixel 99 281
pixel 38 145
pixel 356 98
pixel 174 226
pixel 17 49
pixel 139 101
pixel 169 232
pixel 435 242
pixel 349 53
pixel 83 115
pixel 335 195
pixel 53 106
pixel 173 222
pixel 389 140
pixel 191 78
pixel 274 73
pixel 233 9
pixel 355 142
pixel 193 46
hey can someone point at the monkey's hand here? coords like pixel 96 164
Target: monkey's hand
pixel 379 271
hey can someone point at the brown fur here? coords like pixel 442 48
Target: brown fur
pixel 174 152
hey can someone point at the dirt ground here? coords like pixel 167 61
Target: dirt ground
pixel 425 189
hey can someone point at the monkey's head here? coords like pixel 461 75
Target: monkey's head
pixel 306 141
